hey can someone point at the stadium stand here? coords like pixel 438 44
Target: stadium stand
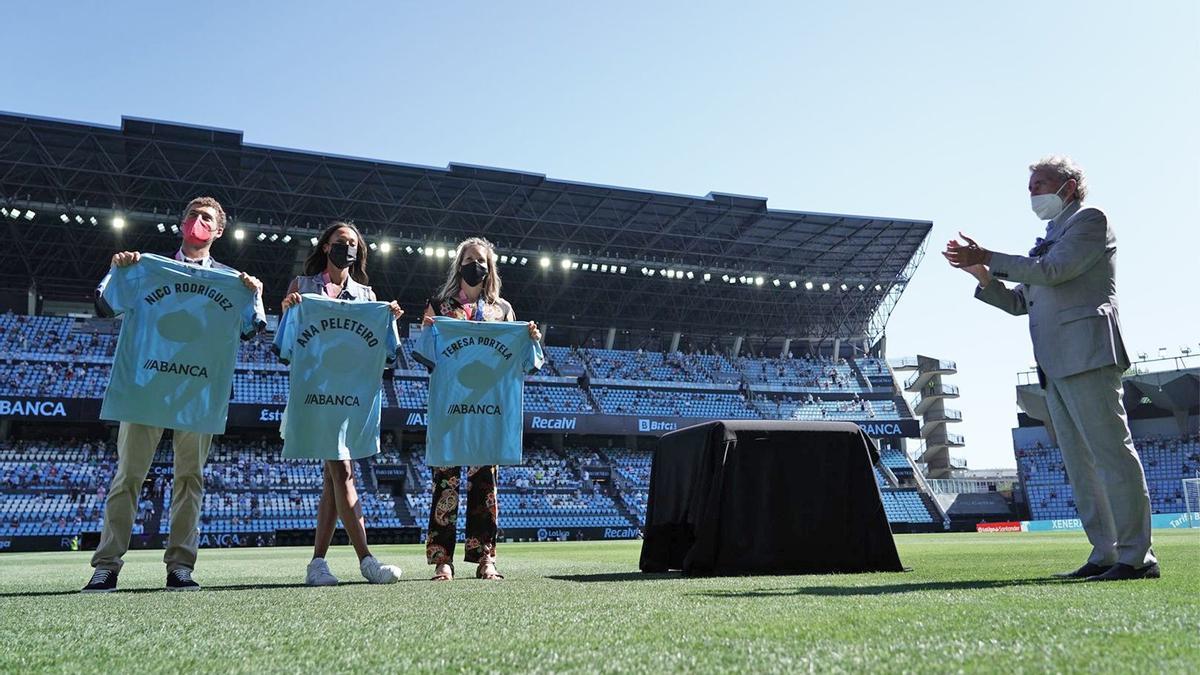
pixel 58 487
pixel 55 488
pixel 560 399
pixel 709 405
pixel 877 372
pixel 259 387
pixel 808 407
pixel 801 373
pixel 1166 460
pixel 905 506
pixel 65 357
pixel 694 378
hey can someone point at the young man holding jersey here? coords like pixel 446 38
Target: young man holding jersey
pixel 202 224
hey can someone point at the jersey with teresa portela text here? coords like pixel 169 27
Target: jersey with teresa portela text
pixel 476 390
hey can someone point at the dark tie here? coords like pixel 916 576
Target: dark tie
pixel 1042 244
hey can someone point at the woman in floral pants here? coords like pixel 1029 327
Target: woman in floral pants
pixel 482 518
pixel 471 292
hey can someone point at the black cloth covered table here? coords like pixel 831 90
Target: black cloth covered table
pixel 758 497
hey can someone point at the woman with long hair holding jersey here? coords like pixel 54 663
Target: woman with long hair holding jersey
pixel 471 292
pixel 337 268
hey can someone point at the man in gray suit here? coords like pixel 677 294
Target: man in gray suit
pixel 1067 285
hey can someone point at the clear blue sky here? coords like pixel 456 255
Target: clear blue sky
pixel 926 110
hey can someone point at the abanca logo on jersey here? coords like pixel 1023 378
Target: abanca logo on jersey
pixel 331 399
pixel 174 368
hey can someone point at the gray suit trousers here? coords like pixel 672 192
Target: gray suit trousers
pixel 1106 474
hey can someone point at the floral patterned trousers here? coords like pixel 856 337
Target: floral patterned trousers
pixel 482 514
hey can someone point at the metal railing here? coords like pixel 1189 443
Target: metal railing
pixel 933 392
pixel 944 486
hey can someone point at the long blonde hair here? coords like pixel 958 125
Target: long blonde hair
pixel 491 285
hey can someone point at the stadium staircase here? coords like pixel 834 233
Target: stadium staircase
pixel 611 490
pixel 389 392
pixel 412 482
pixel 367 471
pixel 859 376
pixel 153 524
pixel 586 386
pixel 404 514
pixel 935 509
pixel 888 475
pixel 618 487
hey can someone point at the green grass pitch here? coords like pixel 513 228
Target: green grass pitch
pixel 972 602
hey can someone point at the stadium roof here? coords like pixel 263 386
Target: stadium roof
pixel 717 265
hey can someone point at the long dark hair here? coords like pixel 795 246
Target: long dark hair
pixel 318 259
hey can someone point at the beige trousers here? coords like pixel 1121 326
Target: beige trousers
pixel 136 444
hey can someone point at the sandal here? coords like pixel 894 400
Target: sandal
pixel 487 570
pixel 443 575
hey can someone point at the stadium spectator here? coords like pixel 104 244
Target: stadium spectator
pixel 471 292
pixel 202 224
pixel 337 268
pixel 1067 286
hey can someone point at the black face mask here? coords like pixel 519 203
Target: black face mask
pixel 342 255
pixel 474 273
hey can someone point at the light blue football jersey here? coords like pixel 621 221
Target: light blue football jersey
pixel 476 390
pixel 336 350
pixel 178 344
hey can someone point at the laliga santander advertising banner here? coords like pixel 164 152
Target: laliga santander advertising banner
pixel 1158 521
pixel 1012 526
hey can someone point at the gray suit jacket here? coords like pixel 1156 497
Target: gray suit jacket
pixel 1069 293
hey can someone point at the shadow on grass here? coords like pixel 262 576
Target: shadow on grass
pixel 616 576
pixel 886 589
pixel 159 589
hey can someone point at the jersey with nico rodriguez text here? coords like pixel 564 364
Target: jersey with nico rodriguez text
pixel 476 390
pixel 336 351
pixel 178 343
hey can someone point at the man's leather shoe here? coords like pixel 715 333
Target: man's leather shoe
pixel 1121 572
pixel 1088 570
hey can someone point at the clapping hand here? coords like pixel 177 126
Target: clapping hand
pixel 970 258
pixel 966 255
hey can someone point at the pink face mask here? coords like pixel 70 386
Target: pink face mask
pixel 196 232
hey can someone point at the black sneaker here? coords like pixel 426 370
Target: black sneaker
pixel 180 579
pixel 103 581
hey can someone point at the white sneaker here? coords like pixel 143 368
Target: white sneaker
pixel 377 573
pixel 319 574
